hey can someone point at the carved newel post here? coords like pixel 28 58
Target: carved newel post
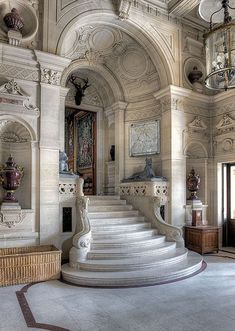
pixel 10 176
pixel 193 182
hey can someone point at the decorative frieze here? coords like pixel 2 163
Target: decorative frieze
pixel 19 73
pixel 152 188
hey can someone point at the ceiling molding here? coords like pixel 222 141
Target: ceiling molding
pixel 182 7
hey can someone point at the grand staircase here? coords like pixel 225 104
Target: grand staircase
pixel 126 251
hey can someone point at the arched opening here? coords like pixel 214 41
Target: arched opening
pixel 122 78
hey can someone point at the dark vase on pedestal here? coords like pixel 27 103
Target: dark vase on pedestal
pixel 112 152
pixel 10 177
pixel 193 182
pixel 13 20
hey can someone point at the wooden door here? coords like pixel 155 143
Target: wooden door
pixel 81 147
pixel 228 210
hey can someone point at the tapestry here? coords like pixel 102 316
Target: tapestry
pixel 69 141
pixel 85 141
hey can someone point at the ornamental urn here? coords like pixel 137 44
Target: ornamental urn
pixel 10 176
pixel 193 182
pixel 195 75
pixel 13 20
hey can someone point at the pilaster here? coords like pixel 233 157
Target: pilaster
pixel 51 68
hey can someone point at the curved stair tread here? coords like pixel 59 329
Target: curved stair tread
pixel 165 244
pixel 120 228
pixel 108 238
pixel 117 220
pixel 136 263
pixel 130 252
pixel 146 240
pixel 141 277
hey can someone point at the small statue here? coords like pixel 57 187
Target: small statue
pixel 63 163
pixel 79 88
pixel 146 174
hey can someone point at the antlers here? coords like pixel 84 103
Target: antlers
pixel 80 89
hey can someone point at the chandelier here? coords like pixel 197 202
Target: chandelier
pixel 219 43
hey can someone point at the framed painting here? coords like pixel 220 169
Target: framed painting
pixel 145 138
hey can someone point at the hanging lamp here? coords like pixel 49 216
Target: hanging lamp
pixel 219 43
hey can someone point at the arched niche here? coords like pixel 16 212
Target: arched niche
pixel 16 139
pixel 197 158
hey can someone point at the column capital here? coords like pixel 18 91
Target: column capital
pixel 51 67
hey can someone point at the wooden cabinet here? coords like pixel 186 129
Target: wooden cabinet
pixel 202 239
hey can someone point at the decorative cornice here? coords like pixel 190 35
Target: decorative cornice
pixel 182 7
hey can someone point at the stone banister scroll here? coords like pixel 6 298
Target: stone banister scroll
pixel 148 197
pixel 82 238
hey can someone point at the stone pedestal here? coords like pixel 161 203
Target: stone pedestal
pixel 110 185
pixel 193 210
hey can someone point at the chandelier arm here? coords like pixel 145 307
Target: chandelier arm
pixel 217 11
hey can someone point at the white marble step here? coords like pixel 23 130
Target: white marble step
pixel 103 197
pixel 136 263
pixel 143 277
pixel 123 244
pixel 140 234
pixel 119 228
pixel 109 208
pixel 113 214
pixel 131 252
pixel 116 220
pixel 108 202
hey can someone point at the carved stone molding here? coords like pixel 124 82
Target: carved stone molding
pixel 11 93
pixel 197 124
pixel 182 7
pixel 70 187
pixel 11 87
pixel 50 76
pixel 154 188
pixel 225 125
pixel 124 9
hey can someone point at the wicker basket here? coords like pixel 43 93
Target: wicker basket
pixel 20 265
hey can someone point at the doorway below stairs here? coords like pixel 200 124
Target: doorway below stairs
pixel 80 145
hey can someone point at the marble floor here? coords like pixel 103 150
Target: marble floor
pixel 205 302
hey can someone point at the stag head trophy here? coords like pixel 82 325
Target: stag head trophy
pixel 79 88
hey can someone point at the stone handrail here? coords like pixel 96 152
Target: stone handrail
pixel 172 233
pixel 148 197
